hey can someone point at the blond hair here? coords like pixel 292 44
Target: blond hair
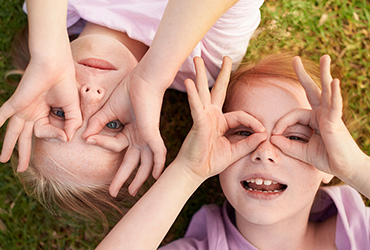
pixel 91 202
pixel 272 66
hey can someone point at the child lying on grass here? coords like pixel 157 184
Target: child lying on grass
pixel 281 138
pixel 87 102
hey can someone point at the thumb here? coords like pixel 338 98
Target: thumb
pixel 43 129
pixel 116 144
pixel 98 121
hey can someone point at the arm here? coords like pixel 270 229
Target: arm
pixel 48 81
pixel 205 152
pixel 48 35
pixel 331 148
pixel 183 25
pixel 51 69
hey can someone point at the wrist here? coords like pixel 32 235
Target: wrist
pixel 153 70
pixel 359 176
pixel 184 169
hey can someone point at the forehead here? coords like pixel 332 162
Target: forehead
pixel 75 161
pixel 268 98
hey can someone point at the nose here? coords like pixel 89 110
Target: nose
pixel 266 152
pixel 91 99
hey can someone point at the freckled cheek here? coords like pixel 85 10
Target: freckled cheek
pixel 111 167
pixel 309 176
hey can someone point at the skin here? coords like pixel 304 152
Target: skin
pixel 49 81
pixel 259 146
pixel 78 160
pixel 274 215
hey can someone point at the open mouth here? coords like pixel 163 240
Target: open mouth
pixel 263 186
pixel 97 64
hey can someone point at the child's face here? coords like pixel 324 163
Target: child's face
pixel 292 183
pixel 101 63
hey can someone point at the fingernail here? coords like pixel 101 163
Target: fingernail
pixel 114 193
pixel 133 193
pixel 90 141
pixel 61 138
pixel 72 134
pixel 19 169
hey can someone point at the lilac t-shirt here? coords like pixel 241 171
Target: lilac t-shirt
pixel 211 227
pixel 140 19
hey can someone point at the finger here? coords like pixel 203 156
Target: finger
pixel 43 129
pixel 301 116
pixel 14 129
pixel 326 80
pixel 291 148
pixel 144 171
pixel 248 145
pixel 98 121
pixel 312 90
pixel 130 162
pixel 325 74
pixel 218 92
pixel 24 147
pixel 115 144
pixel 73 118
pixel 6 111
pixel 195 104
pixel 241 118
pixel 201 81
pixel 159 152
pixel 336 99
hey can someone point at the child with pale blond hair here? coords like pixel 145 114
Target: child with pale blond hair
pixel 93 105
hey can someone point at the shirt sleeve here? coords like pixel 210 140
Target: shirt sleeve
pixel 205 232
pixel 229 36
pixel 353 218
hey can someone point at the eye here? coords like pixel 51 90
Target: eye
pixel 114 125
pixel 244 133
pixel 297 138
pixel 298 132
pixel 57 111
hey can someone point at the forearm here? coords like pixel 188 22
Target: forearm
pixel 183 25
pixel 146 224
pixel 360 179
pixel 48 36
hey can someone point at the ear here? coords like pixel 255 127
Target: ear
pixel 327 178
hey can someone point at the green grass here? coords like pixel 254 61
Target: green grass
pixel 307 28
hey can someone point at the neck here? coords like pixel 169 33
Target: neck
pixel 138 49
pixel 293 233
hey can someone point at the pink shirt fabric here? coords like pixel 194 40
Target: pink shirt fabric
pixel 230 35
pixel 212 228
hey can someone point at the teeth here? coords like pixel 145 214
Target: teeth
pixel 267 182
pixel 275 191
pixel 260 182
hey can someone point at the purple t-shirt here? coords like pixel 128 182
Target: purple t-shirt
pixel 212 227
pixel 140 19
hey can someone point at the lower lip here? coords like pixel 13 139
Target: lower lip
pixel 97 63
pixel 261 195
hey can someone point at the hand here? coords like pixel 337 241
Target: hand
pixel 136 106
pixel 42 86
pixel 206 151
pixel 331 148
